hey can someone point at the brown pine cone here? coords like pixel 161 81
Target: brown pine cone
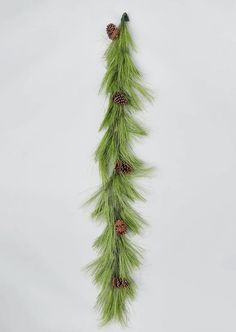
pixel 122 167
pixel 119 98
pixel 112 31
pixel 119 282
pixel 120 227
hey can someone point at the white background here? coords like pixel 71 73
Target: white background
pixel 51 68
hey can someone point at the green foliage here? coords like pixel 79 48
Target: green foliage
pixel 117 255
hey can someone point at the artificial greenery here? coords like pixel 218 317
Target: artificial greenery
pixel 118 256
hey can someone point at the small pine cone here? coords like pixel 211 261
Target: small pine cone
pixel 120 227
pixel 119 282
pixel 112 31
pixel 122 167
pixel 119 98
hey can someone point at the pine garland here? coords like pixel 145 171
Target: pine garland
pixel 118 165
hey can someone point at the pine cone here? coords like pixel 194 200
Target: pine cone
pixel 122 167
pixel 112 31
pixel 119 98
pixel 119 282
pixel 120 227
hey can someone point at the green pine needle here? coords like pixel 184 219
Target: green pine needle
pixel 117 256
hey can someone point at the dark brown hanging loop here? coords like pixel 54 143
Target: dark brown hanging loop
pixel 125 17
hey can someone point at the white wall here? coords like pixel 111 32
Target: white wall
pixel 51 68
